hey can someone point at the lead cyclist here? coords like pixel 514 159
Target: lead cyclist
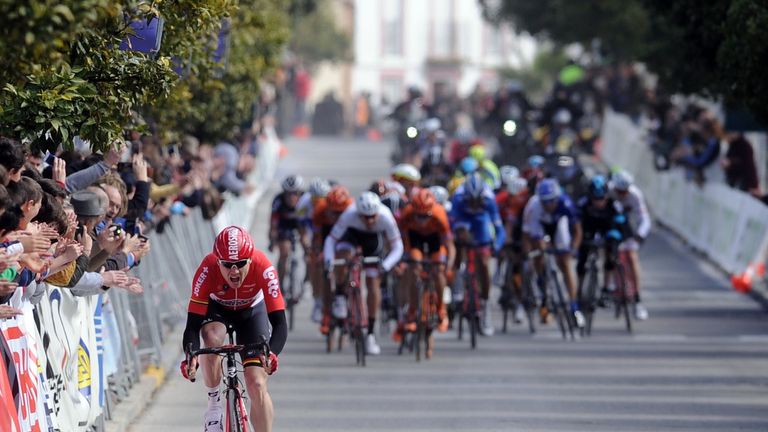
pixel 236 284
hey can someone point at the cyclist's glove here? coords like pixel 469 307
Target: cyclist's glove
pixel 272 363
pixel 639 239
pixel 184 368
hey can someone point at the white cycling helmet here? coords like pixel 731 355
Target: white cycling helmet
pixel 405 171
pixel 562 116
pixel 293 183
pixel 517 185
pixel 622 180
pixel 319 187
pixel 442 197
pixel 368 204
pixel 440 193
pixel 508 173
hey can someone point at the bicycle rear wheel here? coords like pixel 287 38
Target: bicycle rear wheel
pixel 236 416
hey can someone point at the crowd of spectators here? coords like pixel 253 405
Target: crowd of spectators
pixel 682 132
pixel 81 220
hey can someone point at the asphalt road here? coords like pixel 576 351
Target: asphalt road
pixel 698 364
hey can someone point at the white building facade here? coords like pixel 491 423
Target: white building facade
pixel 435 45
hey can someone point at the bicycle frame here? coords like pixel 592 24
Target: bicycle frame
pixel 357 319
pixel 471 303
pixel 426 308
pixel 236 413
pixel 555 289
pixel 293 290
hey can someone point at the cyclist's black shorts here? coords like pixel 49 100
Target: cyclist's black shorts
pixel 249 325
pixel 429 243
pixel 286 234
pixel 371 243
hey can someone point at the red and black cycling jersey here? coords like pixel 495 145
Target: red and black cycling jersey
pixel 260 284
pixel 260 288
pixel 286 217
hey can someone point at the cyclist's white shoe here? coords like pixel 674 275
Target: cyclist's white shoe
pixel 579 317
pixel 486 324
pixel 519 314
pixel 339 307
pixel 317 311
pixel 214 419
pixel 641 313
pixel 371 347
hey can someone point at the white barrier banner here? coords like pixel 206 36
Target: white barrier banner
pixel 729 226
pixel 73 374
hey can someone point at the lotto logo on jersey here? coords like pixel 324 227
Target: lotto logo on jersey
pixel 233 243
pixel 273 285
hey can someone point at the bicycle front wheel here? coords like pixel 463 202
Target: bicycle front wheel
pixel 625 301
pixel 589 299
pixel 236 416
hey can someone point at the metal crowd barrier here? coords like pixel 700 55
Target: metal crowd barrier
pixel 80 356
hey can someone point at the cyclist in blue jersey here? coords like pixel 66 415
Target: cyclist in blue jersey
pixel 552 213
pixel 476 222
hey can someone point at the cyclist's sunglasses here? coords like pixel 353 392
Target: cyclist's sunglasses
pixel 423 216
pixel 239 264
pixel 369 218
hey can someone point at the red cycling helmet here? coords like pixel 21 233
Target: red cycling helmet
pixel 233 244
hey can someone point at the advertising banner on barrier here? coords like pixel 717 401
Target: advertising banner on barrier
pixel 9 417
pixel 68 327
pixel 32 416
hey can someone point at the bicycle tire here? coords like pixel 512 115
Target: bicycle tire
pixel 473 332
pixel 507 288
pixel 529 301
pixel 235 420
pixel 589 298
pixel 561 311
pixel 289 291
pixel 361 345
pixel 472 316
pixel 419 336
pixel 625 296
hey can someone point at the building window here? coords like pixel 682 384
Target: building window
pixel 442 32
pixel 393 27
pixel 391 89
pixel 494 41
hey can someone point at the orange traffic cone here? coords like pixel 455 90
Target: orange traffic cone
pixel 374 134
pixel 742 282
pixel 301 130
